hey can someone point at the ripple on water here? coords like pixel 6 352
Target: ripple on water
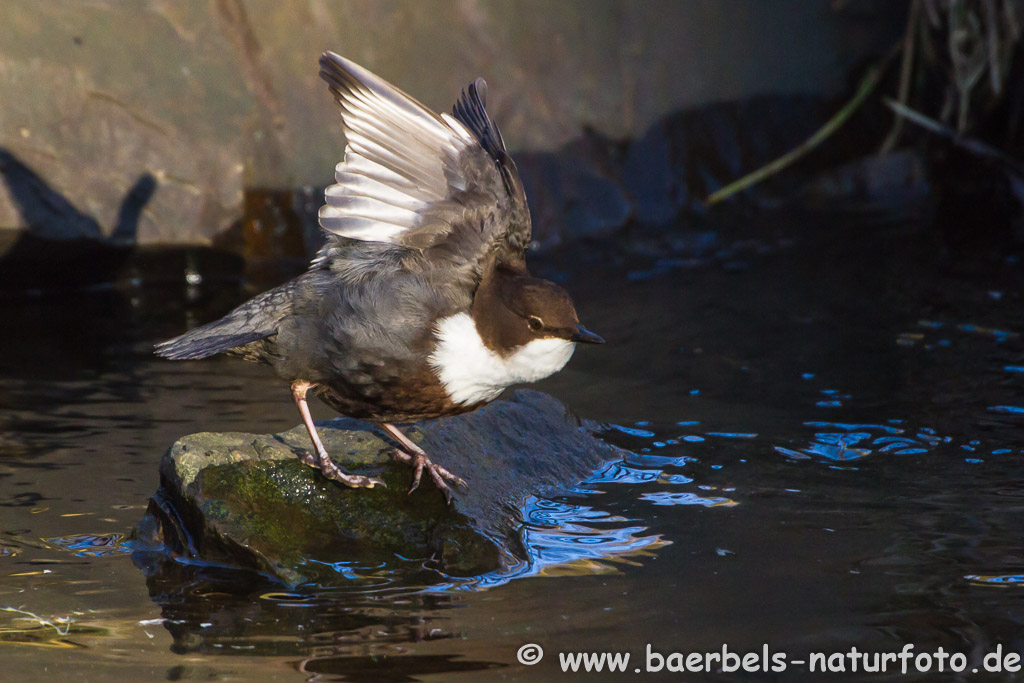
pixel 1007 410
pixel 92 545
pixel 568 536
pixel 632 431
pixel 995 580
pixel 369 577
pixel 651 460
pixel 996 334
pixel 686 498
pixel 856 441
pixel 563 538
pixel 621 473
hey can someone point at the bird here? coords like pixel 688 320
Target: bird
pixel 419 305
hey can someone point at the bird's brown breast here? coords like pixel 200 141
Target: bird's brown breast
pixel 408 397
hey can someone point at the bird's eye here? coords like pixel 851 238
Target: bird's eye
pixel 535 323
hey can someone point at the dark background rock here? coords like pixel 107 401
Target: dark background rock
pixel 245 500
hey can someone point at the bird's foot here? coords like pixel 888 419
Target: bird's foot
pixel 439 475
pixel 329 469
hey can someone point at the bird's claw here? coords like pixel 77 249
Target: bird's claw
pixel 439 475
pixel 329 469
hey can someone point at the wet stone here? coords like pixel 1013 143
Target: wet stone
pixel 245 500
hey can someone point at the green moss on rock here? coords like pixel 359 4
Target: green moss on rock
pixel 246 500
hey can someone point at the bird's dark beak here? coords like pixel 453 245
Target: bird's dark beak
pixel 585 336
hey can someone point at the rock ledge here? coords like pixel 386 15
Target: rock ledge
pixel 245 500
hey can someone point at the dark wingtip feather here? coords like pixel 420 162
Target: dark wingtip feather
pixel 331 65
pixel 334 72
pixel 471 110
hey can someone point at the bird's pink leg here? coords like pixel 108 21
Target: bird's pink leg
pixel 417 457
pixel 322 461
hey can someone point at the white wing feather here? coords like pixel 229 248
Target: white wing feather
pixel 400 160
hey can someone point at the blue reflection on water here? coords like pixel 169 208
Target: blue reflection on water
pixel 563 537
pixel 92 545
pixel 998 335
pixel 995 580
pixel 859 427
pixel 622 473
pixel 1007 410
pixel 570 535
pixel 856 440
pixel 685 498
pixel 631 431
pixel 732 435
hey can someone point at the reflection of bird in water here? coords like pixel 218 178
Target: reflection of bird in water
pixel 420 304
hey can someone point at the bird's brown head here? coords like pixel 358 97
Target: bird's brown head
pixel 513 310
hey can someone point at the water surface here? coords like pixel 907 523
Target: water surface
pixel 826 416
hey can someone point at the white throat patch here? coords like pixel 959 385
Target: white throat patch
pixel 471 372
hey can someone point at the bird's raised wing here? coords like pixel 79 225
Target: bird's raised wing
pixel 419 179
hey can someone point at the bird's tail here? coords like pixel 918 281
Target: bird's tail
pixel 204 341
pixel 254 320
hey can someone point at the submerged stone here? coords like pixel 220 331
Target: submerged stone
pixel 245 500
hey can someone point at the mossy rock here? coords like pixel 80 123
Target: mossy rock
pixel 245 500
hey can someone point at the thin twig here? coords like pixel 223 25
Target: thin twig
pixel 971 145
pixel 906 73
pixel 866 86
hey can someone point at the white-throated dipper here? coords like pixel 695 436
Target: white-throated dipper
pixel 419 305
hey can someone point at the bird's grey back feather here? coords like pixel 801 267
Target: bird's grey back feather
pixel 379 314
